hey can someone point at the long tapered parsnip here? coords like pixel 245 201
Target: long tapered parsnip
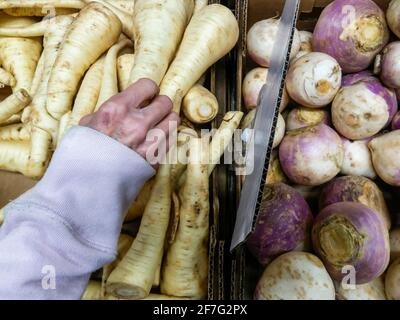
pixel 94 31
pixel 73 4
pixel 158 29
pixel 124 243
pixel 92 291
pixel 19 56
pixel 1 216
pixel 14 156
pixel 211 34
pixel 117 6
pixel 124 65
pixel 134 275
pixel 109 85
pixel 200 105
pixel 14 132
pixel 137 208
pixel 6 78
pixel 14 104
pixel 37 29
pixel 14 119
pixel 38 12
pixel 184 272
pixel 37 76
pixel 221 139
pixel 44 127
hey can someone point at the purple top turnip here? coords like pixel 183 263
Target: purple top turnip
pixel 387 65
pixel 385 151
pixel 302 117
pixel 396 121
pixel 283 224
pixel 355 189
pixel 393 17
pixel 362 107
pixel 311 156
pixel 349 234
pixel 351 31
pixel 314 79
pixel 261 39
pixel 305 44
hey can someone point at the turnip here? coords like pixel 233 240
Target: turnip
pixel 363 107
pixel 302 117
pixel 314 79
pixel 124 64
pixel 200 105
pixel 393 17
pixel 185 270
pixel 261 39
pixel 394 238
pixel 355 189
pixel 275 173
pixel 14 132
pixel 392 281
pixel 385 151
pixel 351 31
pixel 79 50
pixel 387 65
pixel 283 224
pixel 357 159
pixel 350 236
pixel 396 121
pixel 311 156
pixel 211 34
pixel 158 29
pixel 306 43
pixel 295 276
pixel 252 85
pixel 374 290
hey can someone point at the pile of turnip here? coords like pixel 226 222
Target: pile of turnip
pixel 340 146
pixel 60 60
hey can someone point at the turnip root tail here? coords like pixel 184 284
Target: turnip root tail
pixel 134 275
pixel 14 104
pixel 211 34
pixel 158 29
pixel 80 49
pixel 6 78
pixel 14 156
pixel 14 132
pixel 200 105
pixel 109 86
pixel 125 64
pixel 185 269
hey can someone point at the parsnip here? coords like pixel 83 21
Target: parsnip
pixel 16 118
pixel 212 33
pixel 14 104
pixel 38 12
pixel 14 156
pixel 200 105
pixel 109 85
pixel 6 78
pixel 138 206
pixel 19 56
pixel 221 139
pixel 125 65
pixel 134 275
pixel 124 243
pixel 184 272
pixel 158 29
pixel 1 216
pixel 37 76
pixel 199 4
pixel 73 4
pixel 117 7
pixel 94 30
pixel 39 154
pixel 86 99
pixel 92 291
pixel 37 29
pixel 14 132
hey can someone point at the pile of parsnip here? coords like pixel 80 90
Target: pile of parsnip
pixel 61 59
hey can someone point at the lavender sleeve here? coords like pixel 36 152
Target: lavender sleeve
pixel 68 225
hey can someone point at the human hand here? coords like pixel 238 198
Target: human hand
pixel 131 115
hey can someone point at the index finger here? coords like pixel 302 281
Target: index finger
pixel 136 94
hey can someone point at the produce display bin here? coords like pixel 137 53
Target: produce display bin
pixel 245 270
